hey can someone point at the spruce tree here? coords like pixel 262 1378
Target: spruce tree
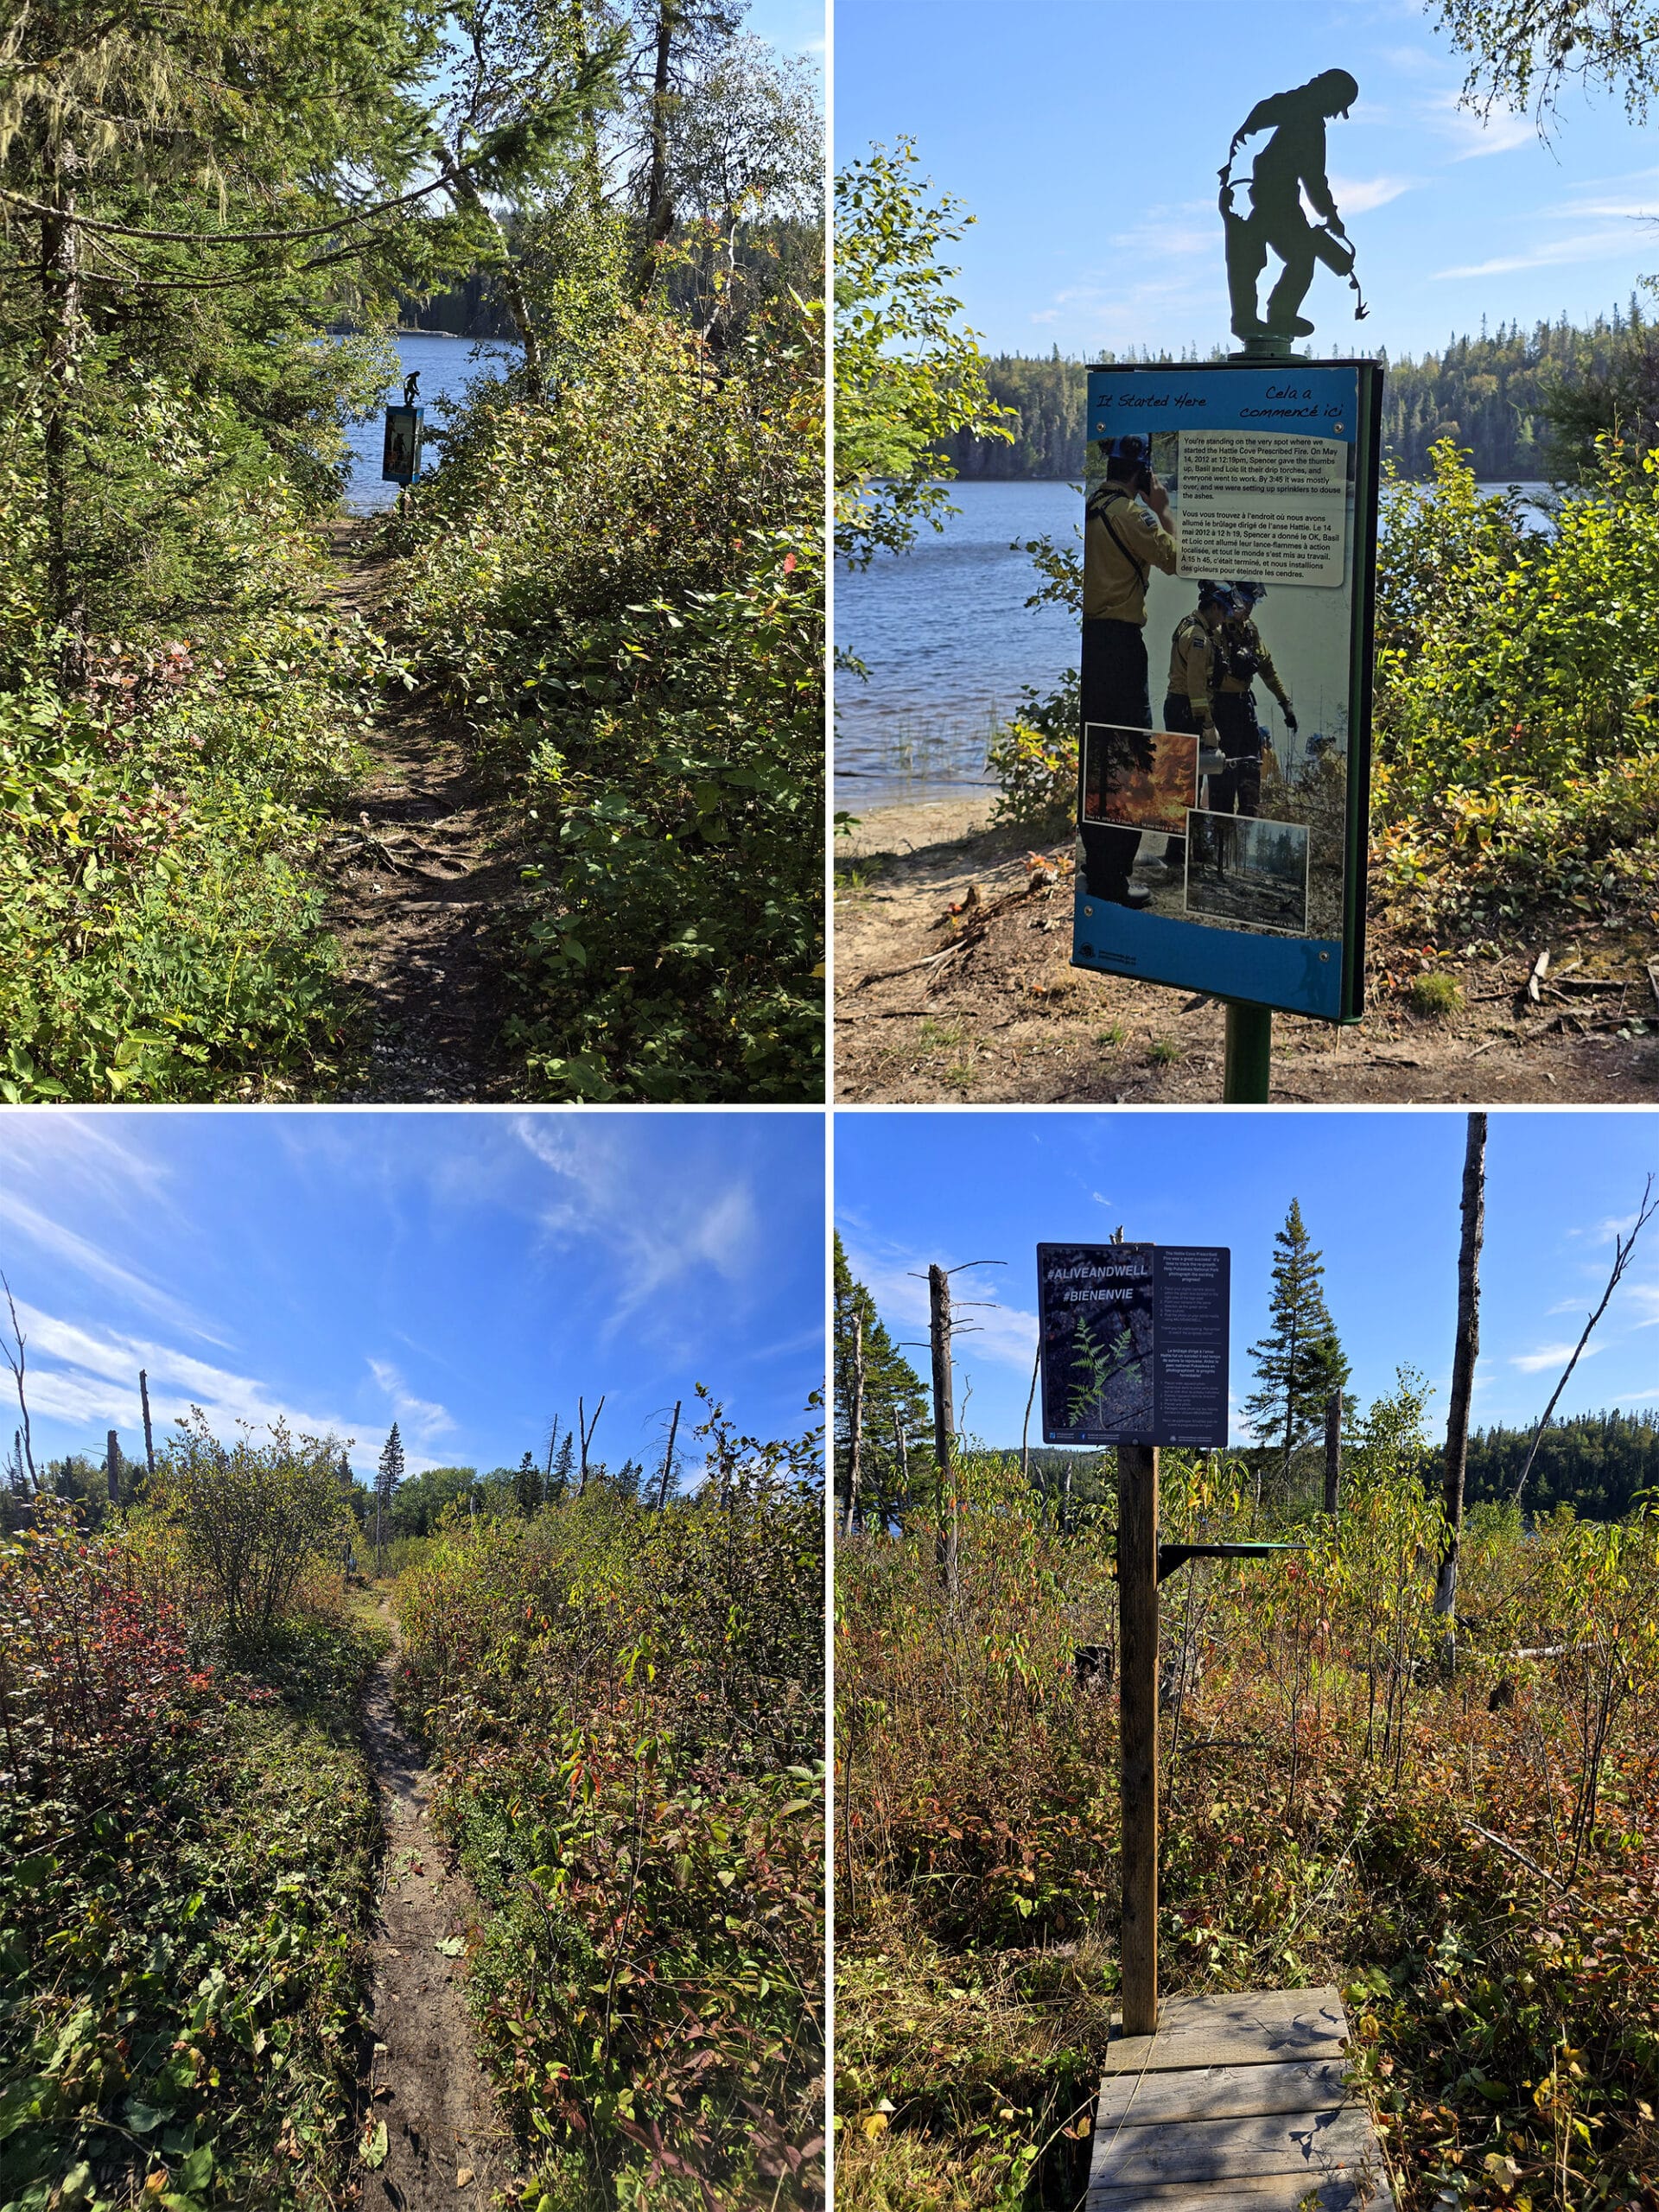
pixel 385 1486
pixel 1299 1360
pixel 559 1482
pixel 896 1426
pixel 527 1485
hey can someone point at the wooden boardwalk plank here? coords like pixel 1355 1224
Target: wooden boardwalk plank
pixel 1220 2092
pixel 1238 2104
pixel 1235 2149
pixel 1279 2193
pixel 1255 2029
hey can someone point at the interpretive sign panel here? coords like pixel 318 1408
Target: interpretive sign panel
pixel 1133 1343
pixel 1230 541
pixel 400 461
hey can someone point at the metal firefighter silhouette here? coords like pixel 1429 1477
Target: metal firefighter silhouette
pixel 1291 163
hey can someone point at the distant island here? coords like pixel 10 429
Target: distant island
pixel 1525 402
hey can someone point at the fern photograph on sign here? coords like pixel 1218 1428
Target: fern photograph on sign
pixel 1133 1343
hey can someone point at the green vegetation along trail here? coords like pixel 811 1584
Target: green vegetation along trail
pixel 445 2142
pixel 423 869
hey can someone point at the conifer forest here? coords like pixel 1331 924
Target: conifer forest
pixel 513 792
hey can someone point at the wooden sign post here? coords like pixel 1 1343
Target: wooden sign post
pixel 1137 1693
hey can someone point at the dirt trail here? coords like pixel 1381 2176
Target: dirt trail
pixel 422 867
pixel 1010 1019
pixel 447 2145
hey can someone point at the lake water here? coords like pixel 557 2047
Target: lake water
pixel 447 366
pixel 948 641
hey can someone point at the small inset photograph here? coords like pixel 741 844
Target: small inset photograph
pixel 1242 870
pixel 1143 779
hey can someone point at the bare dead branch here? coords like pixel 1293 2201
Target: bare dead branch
pixel 1622 1248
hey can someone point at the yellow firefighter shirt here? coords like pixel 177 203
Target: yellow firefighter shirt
pixel 1191 653
pixel 1123 543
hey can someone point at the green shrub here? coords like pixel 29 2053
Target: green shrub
pixel 161 924
pixel 1033 757
pixel 1518 694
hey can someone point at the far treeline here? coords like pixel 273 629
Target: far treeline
pixel 1526 403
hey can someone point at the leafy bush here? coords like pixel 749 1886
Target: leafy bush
pixel 623 594
pixel 627 1707
pixel 162 926
pixel 185 1862
pixel 1033 757
pixel 250 1518
pixel 1518 694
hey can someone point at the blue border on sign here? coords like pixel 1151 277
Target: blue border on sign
pixel 1317 403
pixel 1301 974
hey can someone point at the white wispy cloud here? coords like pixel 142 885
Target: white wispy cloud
pixel 990 1328
pixel 1359 196
pixel 418 1417
pixel 661 1222
pixel 1550 1355
pixel 1588 245
pixel 53 1239
pixel 91 1376
pixel 1467 134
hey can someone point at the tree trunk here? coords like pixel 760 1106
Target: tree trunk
pixel 500 260
pixel 149 1440
pixel 855 1422
pixel 668 1457
pixel 1290 1402
pixel 1463 1355
pixel 592 177
pixel 1025 1433
pixel 1334 1451
pixel 938 1301
pixel 64 332
pixel 659 205
pixel 112 1467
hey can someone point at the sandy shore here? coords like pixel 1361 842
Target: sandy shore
pixel 913 824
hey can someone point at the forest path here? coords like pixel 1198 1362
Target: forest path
pixel 423 867
pixel 446 2142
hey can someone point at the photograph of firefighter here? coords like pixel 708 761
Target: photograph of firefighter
pixel 1127 533
pixel 1240 658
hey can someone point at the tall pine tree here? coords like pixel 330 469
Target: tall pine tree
pixel 1299 1360
pixel 895 1451
pixel 391 1473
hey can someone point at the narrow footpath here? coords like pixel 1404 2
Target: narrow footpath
pixel 445 2142
pixel 423 868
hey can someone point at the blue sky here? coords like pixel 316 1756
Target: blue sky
pixel 1013 111
pixel 466 1275
pixel 794 26
pixel 1379 1194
